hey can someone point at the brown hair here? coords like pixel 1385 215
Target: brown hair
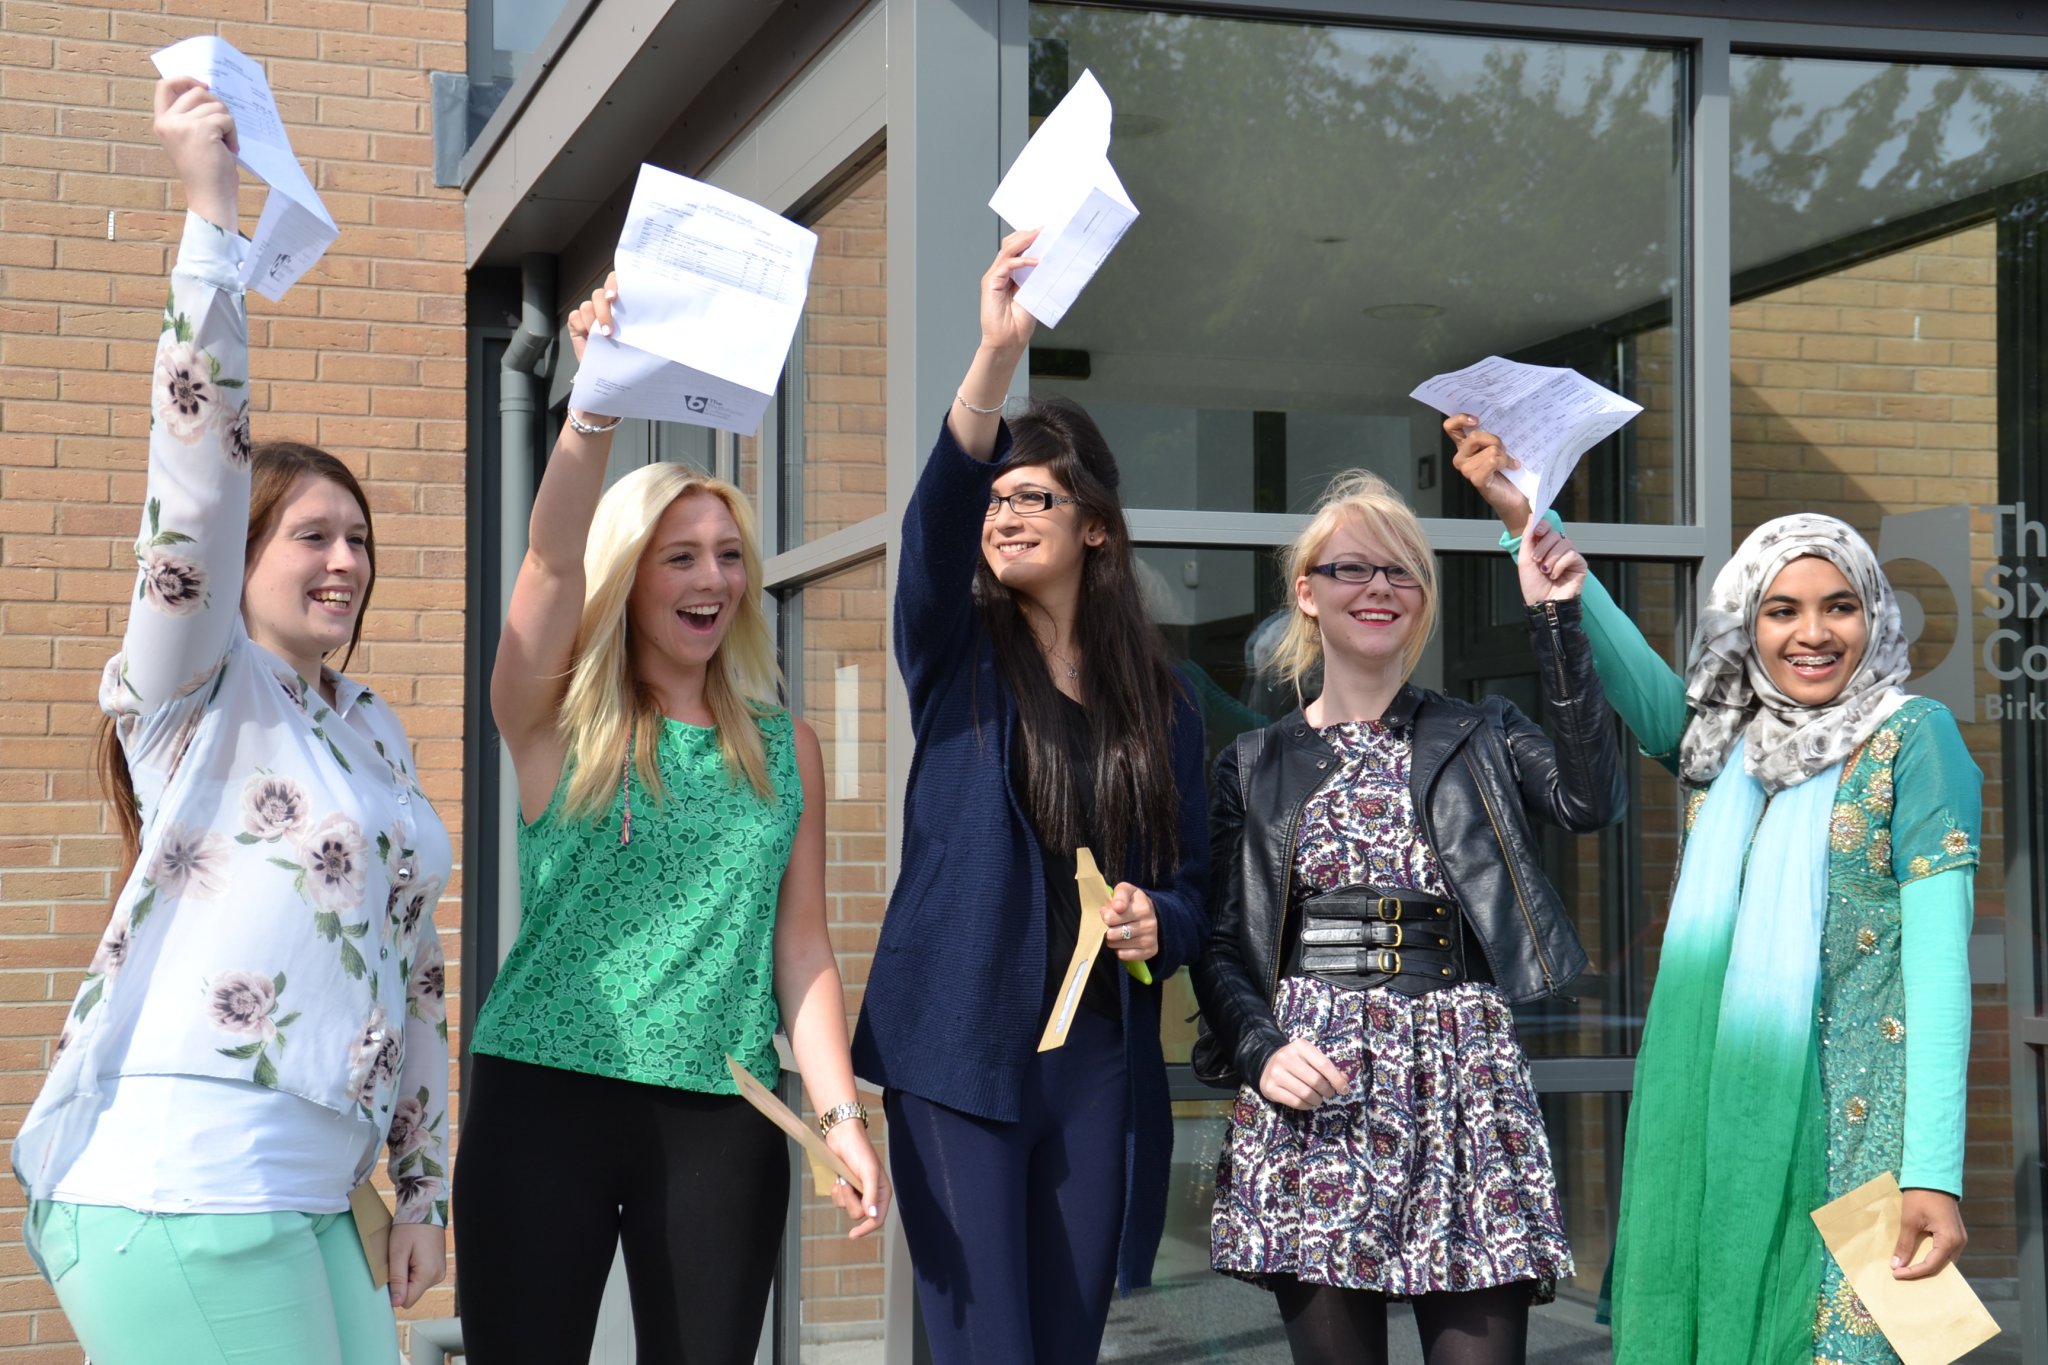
pixel 275 468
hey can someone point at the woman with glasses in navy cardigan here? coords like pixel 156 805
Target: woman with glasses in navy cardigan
pixel 1047 720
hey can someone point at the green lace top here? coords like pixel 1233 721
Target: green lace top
pixel 651 960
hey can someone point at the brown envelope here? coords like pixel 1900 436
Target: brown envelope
pixel 373 1225
pixel 1928 1322
pixel 825 1163
pixel 1087 943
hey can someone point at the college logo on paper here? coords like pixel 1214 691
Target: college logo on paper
pixel 1940 538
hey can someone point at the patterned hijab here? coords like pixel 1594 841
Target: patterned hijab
pixel 1730 691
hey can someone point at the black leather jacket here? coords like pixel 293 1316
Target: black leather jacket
pixel 1479 773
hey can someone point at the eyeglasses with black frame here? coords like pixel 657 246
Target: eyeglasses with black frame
pixel 1027 502
pixel 1357 571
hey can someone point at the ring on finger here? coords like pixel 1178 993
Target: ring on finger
pixel 1126 934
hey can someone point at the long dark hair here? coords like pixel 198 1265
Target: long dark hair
pixel 275 468
pixel 1127 682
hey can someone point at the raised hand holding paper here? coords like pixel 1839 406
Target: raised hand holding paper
pixel 1062 183
pixel 711 287
pixel 296 228
pixel 1547 417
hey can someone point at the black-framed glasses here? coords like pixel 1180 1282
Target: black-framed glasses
pixel 1026 502
pixel 1358 571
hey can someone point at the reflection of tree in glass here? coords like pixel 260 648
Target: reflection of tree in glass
pixel 1307 173
pixel 1825 148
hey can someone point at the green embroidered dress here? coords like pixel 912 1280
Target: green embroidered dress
pixel 651 960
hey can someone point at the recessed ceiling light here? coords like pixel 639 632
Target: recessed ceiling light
pixel 1404 312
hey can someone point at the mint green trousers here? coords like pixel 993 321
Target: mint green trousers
pixel 213 1288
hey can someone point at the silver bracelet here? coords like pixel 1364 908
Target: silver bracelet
pixel 840 1113
pixel 961 399
pixel 577 424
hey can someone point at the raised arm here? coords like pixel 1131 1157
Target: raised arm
pixel 1570 770
pixel 195 525
pixel 532 669
pixel 942 526
pixel 1644 690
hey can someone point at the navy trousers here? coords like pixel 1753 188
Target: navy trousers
pixel 1013 1227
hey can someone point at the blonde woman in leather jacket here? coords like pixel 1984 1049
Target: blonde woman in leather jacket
pixel 1379 906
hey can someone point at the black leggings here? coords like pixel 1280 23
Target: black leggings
pixel 1331 1326
pixel 557 1169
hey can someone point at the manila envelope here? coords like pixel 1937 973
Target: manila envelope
pixel 373 1225
pixel 1928 1322
pixel 825 1163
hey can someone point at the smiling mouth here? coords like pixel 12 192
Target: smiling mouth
pixel 1010 549
pixel 1807 665
pixel 700 618
pixel 333 597
pixel 1374 616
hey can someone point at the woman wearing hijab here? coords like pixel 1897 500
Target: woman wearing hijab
pixel 1810 1026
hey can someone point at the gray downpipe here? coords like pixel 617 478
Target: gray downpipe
pixel 434 1340
pixel 521 377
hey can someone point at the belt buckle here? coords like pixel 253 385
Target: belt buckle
pixel 1380 958
pixel 1400 938
pixel 1383 905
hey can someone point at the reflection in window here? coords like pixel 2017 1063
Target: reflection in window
pixel 1400 204
pixel 503 36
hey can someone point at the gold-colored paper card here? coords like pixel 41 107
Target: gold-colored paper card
pixel 1928 1322
pixel 373 1226
pixel 1087 943
pixel 825 1163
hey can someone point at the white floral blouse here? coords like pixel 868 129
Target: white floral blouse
pixel 278 927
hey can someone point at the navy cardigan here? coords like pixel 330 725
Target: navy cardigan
pixel 953 999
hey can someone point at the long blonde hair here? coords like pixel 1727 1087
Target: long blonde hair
pixel 1360 498
pixel 606 707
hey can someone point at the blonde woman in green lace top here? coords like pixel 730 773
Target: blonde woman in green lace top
pixel 672 883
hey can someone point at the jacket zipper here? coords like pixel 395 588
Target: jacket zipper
pixel 1556 648
pixel 1286 898
pixel 1507 860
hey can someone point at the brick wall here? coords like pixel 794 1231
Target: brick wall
pixel 843 668
pixel 365 356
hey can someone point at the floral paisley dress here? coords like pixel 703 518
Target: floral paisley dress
pixel 278 927
pixel 1433 1173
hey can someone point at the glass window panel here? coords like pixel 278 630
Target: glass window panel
pixel 835 638
pixel 1886 235
pixel 833 468
pixel 1399 204
pixel 1616 884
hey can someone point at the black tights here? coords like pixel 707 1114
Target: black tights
pixel 1331 1326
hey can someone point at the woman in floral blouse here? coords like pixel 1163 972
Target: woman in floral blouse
pixel 265 1008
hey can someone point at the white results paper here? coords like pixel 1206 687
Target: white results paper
pixel 1062 184
pixel 711 287
pixel 1546 416
pixel 295 229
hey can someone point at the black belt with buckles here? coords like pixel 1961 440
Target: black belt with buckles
pixel 1359 937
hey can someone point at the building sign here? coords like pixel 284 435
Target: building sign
pixel 2014 593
